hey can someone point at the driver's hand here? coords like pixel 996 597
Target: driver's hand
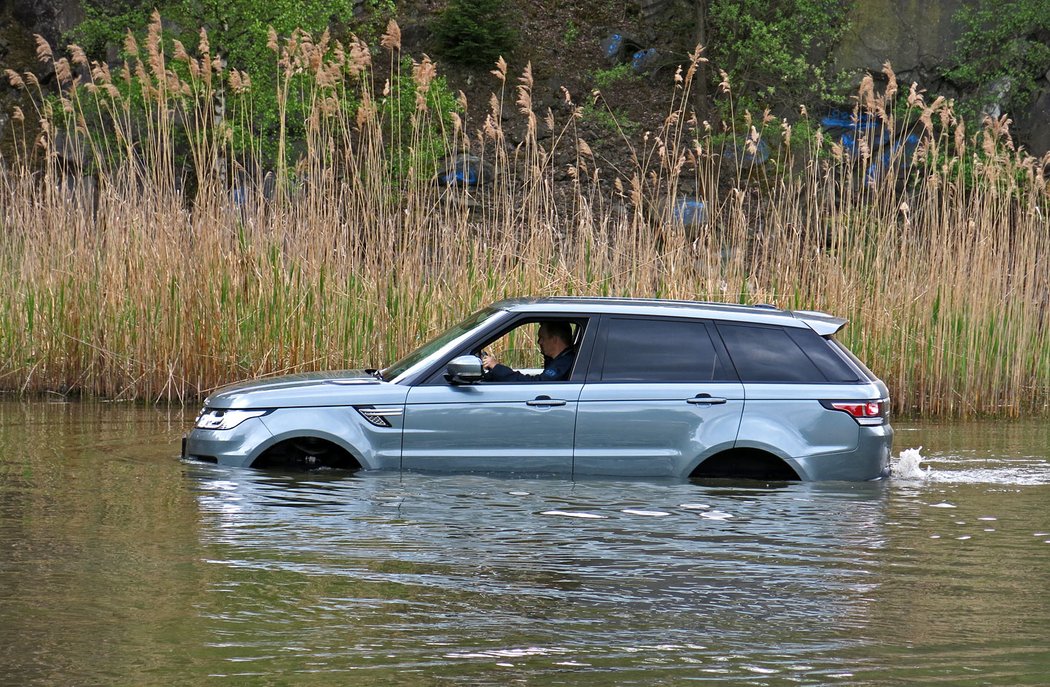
pixel 488 362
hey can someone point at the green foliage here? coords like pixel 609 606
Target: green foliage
pixel 603 78
pixel 776 53
pixel 1004 44
pixel 571 34
pixel 416 137
pixel 237 31
pixel 271 123
pixel 613 121
pixel 106 23
pixel 474 32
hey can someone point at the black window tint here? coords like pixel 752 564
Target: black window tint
pixel 867 374
pixel 824 356
pixel 641 350
pixel 767 354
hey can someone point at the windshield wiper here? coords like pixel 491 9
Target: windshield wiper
pixel 377 374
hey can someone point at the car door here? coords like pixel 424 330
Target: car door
pixel 660 395
pixel 524 427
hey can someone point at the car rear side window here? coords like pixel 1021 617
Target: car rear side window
pixel 652 350
pixel 768 354
pixel 825 355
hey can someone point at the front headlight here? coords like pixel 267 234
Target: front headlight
pixel 218 418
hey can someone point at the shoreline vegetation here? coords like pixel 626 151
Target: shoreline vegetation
pixel 166 257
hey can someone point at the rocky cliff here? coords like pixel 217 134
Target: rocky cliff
pixel 915 37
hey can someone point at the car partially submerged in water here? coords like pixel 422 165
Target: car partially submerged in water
pixel 657 388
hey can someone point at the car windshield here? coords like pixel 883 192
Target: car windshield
pixel 426 349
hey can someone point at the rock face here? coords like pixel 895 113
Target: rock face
pixel 49 18
pixel 1033 126
pixel 915 36
pixel 19 20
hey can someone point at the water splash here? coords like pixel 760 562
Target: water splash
pixel 908 465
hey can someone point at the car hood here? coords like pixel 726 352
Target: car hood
pixel 341 387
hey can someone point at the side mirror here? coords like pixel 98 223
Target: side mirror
pixel 466 369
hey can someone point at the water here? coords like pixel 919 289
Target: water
pixel 119 564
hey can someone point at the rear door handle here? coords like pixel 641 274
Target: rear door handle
pixel 545 402
pixel 705 400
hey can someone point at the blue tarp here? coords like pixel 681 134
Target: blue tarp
pixel 617 48
pixel 645 60
pixel 740 150
pixel 849 130
pixel 887 148
pixel 463 170
pixel 899 153
pixel 689 211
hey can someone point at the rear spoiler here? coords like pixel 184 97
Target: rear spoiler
pixel 821 323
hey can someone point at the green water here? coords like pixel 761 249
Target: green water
pixel 121 565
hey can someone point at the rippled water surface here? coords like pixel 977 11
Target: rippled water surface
pixel 119 564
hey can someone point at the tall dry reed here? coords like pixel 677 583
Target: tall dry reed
pixel 118 284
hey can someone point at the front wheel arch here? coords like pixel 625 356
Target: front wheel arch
pixel 306 452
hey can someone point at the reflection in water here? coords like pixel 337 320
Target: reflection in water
pixel 445 571
pixel 123 565
pixel 98 541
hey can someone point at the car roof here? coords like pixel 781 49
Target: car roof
pixel 821 323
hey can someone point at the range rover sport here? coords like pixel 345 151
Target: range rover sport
pixel 657 388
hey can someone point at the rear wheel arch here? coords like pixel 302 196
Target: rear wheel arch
pixel 746 463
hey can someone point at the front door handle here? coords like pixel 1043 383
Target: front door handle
pixel 705 400
pixel 545 402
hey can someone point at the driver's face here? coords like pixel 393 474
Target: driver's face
pixel 546 342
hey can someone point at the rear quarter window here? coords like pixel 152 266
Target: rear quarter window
pixel 857 362
pixel 825 354
pixel 776 354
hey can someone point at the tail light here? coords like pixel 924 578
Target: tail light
pixel 868 413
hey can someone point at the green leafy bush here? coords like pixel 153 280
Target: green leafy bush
pixel 266 87
pixel 237 33
pixel 474 32
pixel 1004 47
pixel 776 53
pixel 603 78
pixel 415 140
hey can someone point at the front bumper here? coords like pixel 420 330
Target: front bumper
pixel 237 447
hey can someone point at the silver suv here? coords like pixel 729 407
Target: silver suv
pixel 655 388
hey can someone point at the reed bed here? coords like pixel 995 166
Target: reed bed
pixel 143 280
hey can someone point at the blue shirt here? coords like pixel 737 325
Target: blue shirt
pixel 554 370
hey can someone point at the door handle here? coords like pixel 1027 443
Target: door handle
pixel 705 400
pixel 545 402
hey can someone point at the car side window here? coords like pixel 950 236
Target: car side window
pixel 825 355
pixel 537 349
pixel 655 350
pixel 767 354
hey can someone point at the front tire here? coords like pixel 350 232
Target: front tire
pixel 306 453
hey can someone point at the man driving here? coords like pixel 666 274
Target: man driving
pixel 555 342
